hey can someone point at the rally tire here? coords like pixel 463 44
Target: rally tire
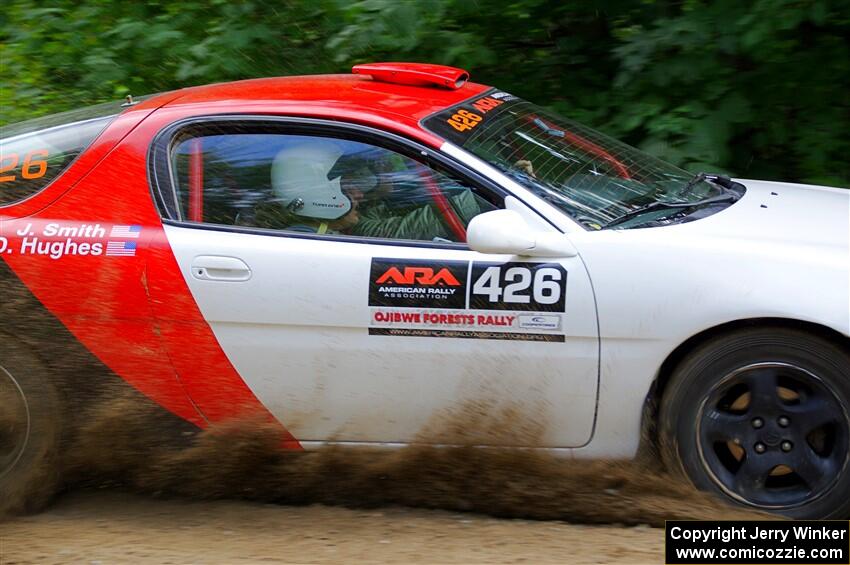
pixel 29 430
pixel 760 416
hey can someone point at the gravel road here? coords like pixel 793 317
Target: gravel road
pixel 118 527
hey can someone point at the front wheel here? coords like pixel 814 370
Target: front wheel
pixel 761 417
pixel 28 430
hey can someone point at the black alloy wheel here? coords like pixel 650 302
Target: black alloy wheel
pixel 29 429
pixel 773 435
pixel 761 417
pixel 15 423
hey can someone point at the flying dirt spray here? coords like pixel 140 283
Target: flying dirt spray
pixel 117 446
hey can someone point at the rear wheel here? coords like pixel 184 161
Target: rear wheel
pixel 761 416
pixel 28 430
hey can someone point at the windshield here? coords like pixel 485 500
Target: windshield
pixel 590 176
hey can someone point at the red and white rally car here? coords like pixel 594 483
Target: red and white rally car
pixel 356 255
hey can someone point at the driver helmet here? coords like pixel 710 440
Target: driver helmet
pixel 303 182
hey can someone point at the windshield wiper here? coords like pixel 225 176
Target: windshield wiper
pixel 728 197
pixel 719 180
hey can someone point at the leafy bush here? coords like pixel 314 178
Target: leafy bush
pixel 757 89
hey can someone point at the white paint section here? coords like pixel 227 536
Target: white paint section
pixel 298 329
pixel 782 251
pixel 297 332
pixel 657 287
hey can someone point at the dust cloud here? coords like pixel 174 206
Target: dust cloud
pixel 118 447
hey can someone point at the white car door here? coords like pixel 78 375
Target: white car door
pixel 354 338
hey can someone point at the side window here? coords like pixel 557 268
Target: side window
pixel 34 153
pixel 318 185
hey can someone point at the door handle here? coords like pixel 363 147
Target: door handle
pixel 217 268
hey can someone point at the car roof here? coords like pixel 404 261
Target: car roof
pixel 348 93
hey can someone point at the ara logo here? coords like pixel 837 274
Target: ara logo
pixel 417 283
pixel 418 275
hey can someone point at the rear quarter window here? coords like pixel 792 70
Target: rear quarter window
pixel 35 152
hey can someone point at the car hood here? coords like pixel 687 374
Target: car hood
pixel 780 251
pixel 798 214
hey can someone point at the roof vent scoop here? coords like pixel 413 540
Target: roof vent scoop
pixel 414 74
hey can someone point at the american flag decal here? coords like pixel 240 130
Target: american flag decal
pixel 127 232
pixel 120 248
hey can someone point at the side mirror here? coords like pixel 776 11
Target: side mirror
pixel 506 232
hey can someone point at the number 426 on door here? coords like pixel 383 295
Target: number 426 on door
pixel 518 286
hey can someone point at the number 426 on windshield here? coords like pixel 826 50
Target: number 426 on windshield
pixel 464 120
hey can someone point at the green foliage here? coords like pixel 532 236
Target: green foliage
pixel 758 88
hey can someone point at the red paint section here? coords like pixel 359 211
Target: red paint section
pixel 101 300
pixel 414 74
pixel 359 99
pixel 109 302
